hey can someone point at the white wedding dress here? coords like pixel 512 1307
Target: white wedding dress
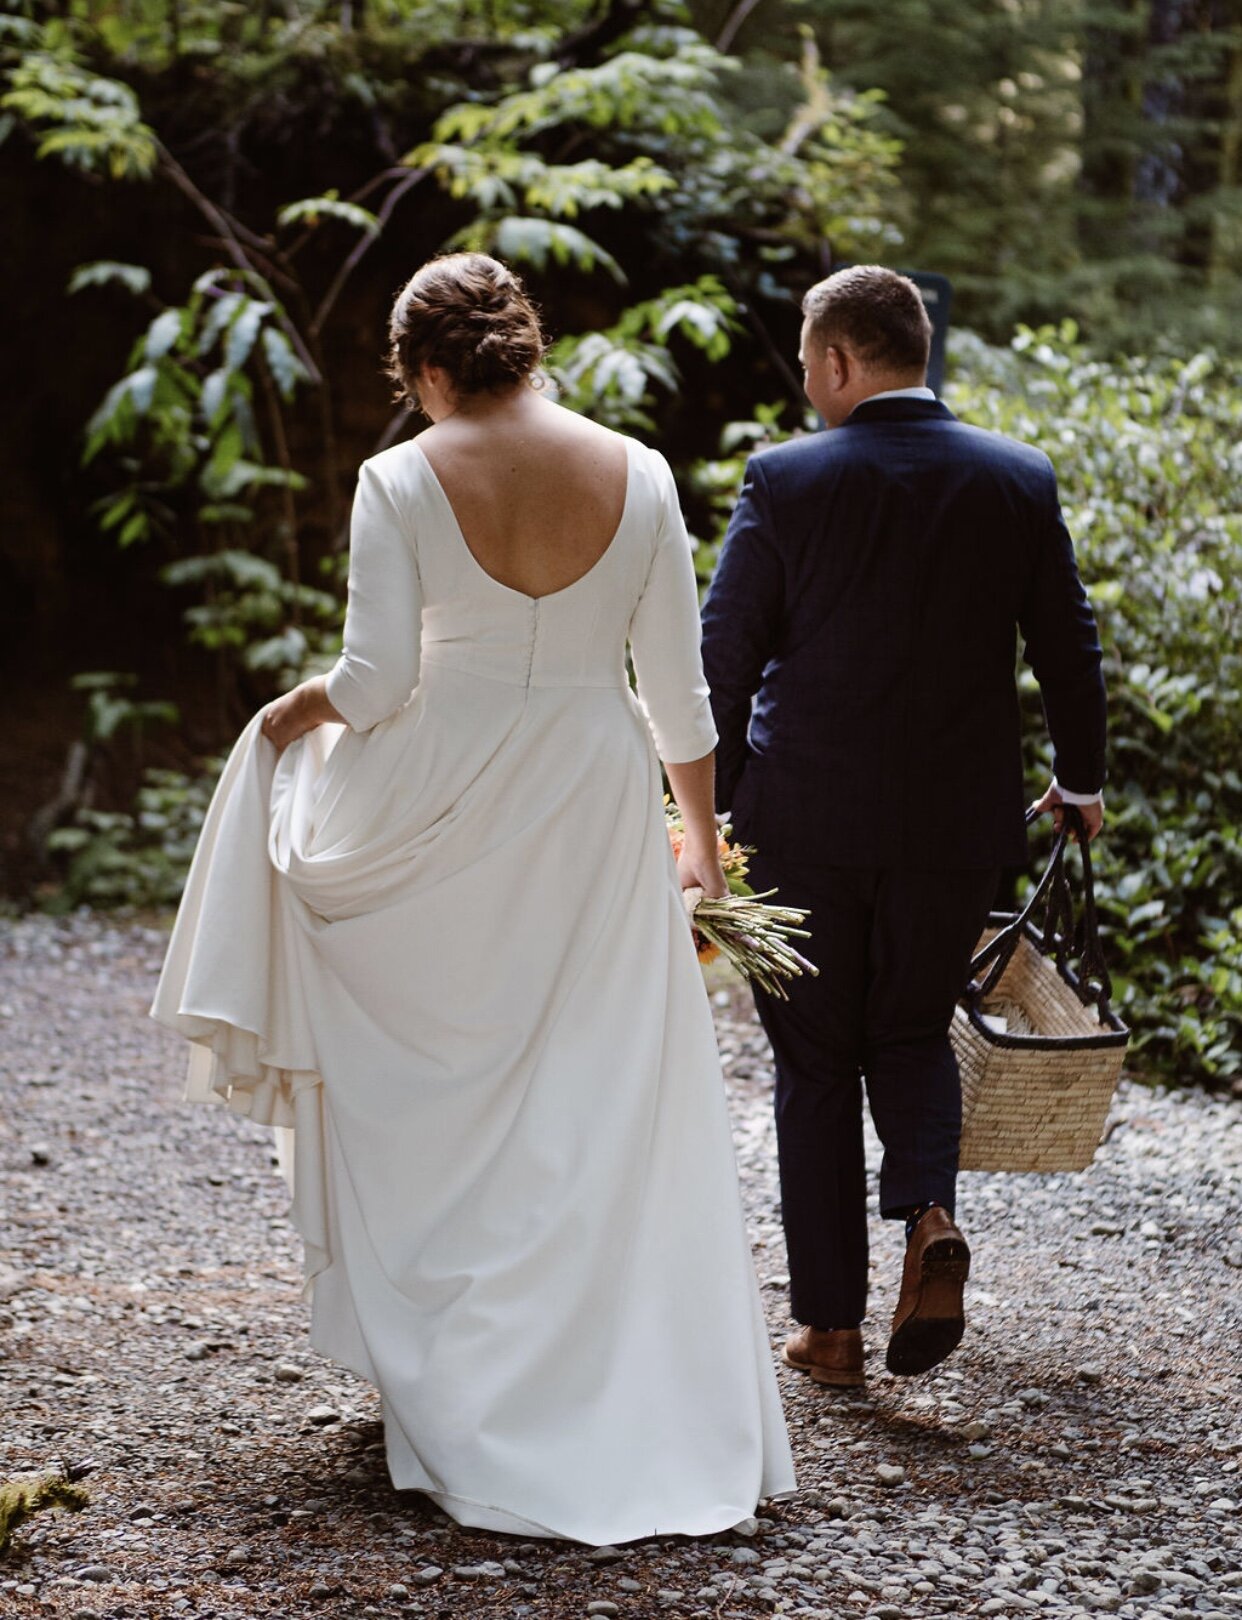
pixel 446 945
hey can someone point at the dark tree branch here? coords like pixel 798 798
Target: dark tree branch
pixel 734 22
pixel 362 247
pixel 231 241
pixel 767 342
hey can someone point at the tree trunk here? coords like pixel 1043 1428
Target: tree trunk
pixel 1112 97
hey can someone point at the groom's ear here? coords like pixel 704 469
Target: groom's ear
pixel 837 363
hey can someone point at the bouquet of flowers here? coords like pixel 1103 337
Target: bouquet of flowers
pixel 751 934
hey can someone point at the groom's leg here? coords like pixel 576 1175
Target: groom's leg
pixel 925 928
pixel 817 1045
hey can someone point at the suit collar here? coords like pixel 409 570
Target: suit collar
pixel 899 410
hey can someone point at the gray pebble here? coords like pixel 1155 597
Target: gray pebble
pixel 323 1414
pixel 427 1576
pixel 605 1555
pixel 11 1283
pixel 94 1572
pixel 286 1373
pixel 889 1474
pixel 603 1606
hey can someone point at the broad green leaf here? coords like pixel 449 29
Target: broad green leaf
pixel 540 241
pixel 286 368
pixel 162 333
pixel 214 396
pixel 136 278
pixel 310 210
pixel 243 333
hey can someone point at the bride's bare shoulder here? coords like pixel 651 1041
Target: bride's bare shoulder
pixel 569 425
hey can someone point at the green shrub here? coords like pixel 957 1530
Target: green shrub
pixel 1149 455
pixel 138 857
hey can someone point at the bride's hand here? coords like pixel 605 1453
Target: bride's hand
pixel 296 713
pixel 701 869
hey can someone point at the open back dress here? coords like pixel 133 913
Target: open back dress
pixel 445 945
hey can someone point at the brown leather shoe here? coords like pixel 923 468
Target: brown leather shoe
pixel 929 1320
pixel 830 1355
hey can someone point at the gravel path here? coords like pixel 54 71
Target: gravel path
pixel 1079 1454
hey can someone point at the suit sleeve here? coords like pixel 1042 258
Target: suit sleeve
pixel 378 667
pixel 1063 649
pixel 664 638
pixel 741 622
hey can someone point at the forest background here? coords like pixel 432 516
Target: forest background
pixel 208 207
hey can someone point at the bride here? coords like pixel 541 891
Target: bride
pixel 434 926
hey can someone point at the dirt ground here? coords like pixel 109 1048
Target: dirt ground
pixel 1079 1454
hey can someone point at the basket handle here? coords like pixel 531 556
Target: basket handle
pixel 1091 964
pixel 996 954
pixel 1058 936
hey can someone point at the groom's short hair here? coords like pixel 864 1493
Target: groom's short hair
pixel 873 312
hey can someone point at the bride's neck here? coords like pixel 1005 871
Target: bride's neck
pixel 511 404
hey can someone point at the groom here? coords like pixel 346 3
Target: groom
pixel 860 640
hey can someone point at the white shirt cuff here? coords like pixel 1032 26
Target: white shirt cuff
pixel 1077 798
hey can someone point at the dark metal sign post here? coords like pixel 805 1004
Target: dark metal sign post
pixel 937 294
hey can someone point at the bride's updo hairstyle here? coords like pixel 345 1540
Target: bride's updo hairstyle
pixel 469 314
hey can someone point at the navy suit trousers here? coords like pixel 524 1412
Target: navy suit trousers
pixel 893 948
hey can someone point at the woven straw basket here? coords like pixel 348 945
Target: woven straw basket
pixel 1040 1051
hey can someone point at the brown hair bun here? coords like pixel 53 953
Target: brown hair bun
pixel 469 314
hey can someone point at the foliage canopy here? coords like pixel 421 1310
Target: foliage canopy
pixel 671 177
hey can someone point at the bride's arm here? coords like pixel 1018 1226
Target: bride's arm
pixel 378 668
pixel 664 641
pixel 694 788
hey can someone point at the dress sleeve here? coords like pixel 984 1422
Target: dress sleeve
pixel 378 667
pixel 664 638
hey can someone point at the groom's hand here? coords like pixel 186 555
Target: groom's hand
pixel 1092 814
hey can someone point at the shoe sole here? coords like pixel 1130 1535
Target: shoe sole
pixel 934 1328
pixel 836 1380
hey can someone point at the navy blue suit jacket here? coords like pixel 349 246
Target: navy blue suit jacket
pixel 860 641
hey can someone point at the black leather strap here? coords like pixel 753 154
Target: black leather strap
pixel 1057 935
